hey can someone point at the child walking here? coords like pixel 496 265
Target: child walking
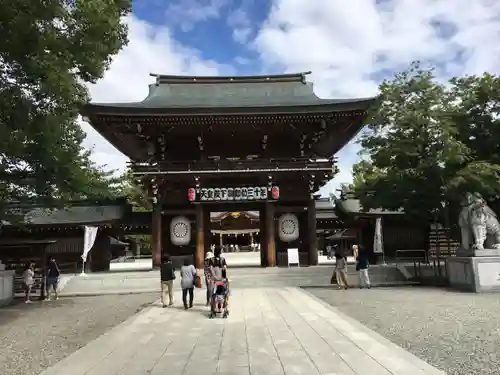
pixel 28 281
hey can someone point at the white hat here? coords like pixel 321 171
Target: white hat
pixel 209 255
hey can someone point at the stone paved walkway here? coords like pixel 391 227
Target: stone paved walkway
pixel 269 332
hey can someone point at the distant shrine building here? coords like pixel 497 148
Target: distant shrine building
pixel 260 144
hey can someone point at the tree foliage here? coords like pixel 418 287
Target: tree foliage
pixel 427 143
pixel 135 192
pixel 49 50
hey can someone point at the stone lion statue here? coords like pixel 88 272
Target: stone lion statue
pixel 479 224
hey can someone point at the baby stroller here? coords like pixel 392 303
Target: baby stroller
pixel 219 300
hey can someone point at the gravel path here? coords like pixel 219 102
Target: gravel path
pixel 456 332
pixel 36 336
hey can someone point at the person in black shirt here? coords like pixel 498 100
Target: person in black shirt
pixel 167 275
pixel 362 265
pixel 52 280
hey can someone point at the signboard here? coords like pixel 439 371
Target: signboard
pixel 242 194
pixel 293 257
pixel 378 242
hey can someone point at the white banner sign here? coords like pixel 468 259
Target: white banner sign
pixel 88 240
pixel 293 257
pixel 378 242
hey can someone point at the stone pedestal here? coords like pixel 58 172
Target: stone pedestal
pixel 478 253
pixel 6 287
pixel 479 274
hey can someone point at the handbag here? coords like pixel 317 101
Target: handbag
pixel 197 281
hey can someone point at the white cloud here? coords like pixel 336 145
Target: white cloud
pixel 240 22
pixel 151 50
pixel 349 44
pixel 186 13
pixel 242 60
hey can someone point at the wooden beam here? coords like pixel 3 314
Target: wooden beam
pixel 179 211
pixel 200 237
pixel 156 234
pixel 311 227
pixel 280 209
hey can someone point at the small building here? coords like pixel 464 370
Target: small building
pixel 63 227
pixel 402 236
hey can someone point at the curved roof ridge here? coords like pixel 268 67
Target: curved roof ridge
pixel 172 79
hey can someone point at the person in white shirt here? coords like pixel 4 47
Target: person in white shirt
pixel 28 281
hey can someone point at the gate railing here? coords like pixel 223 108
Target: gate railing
pixel 425 269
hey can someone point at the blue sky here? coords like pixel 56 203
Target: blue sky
pixel 210 26
pixel 350 46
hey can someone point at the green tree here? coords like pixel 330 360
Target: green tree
pixel 363 173
pixel 425 143
pixel 49 50
pixel 97 182
pixel 475 110
pixel 135 192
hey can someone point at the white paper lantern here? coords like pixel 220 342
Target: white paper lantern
pixel 288 227
pixel 180 231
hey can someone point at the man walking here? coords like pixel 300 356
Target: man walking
pixel 362 264
pixel 167 274
pixel 52 279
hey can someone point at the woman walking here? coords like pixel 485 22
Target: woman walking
pixel 188 275
pixel 28 281
pixel 341 270
pixel 208 276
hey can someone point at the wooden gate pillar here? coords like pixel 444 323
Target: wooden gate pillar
pixel 156 227
pixel 207 226
pixel 270 234
pixel 263 236
pixel 199 253
pixel 311 227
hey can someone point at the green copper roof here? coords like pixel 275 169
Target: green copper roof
pixel 233 92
